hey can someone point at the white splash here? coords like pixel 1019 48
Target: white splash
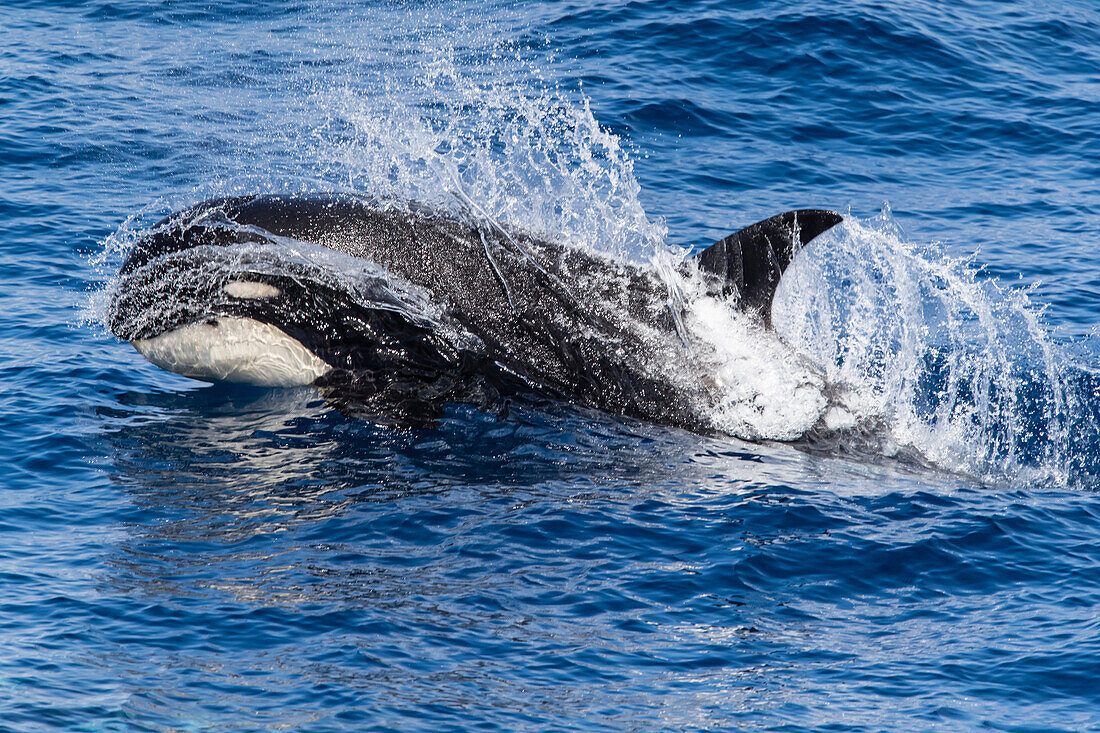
pixel 765 390
pixel 759 388
pixel 938 359
pixel 460 117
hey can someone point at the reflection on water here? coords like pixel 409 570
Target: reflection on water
pixel 304 567
pixel 220 469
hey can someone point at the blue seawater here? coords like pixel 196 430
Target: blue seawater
pixel 185 557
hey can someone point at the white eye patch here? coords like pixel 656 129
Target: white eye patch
pixel 251 290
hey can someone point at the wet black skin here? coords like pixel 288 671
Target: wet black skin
pixel 547 320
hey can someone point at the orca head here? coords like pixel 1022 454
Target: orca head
pixel 202 313
pixel 213 298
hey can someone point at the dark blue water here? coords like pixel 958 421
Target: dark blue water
pixel 177 556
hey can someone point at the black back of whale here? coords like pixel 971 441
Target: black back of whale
pixel 748 263
pixel 551 319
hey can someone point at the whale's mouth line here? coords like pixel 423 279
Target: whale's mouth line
pixel 234 349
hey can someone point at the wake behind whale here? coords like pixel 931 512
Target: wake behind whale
pixel 441 309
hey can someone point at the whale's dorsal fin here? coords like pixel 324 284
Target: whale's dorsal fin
pixel 751 261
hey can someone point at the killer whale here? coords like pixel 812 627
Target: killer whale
pixel 440 308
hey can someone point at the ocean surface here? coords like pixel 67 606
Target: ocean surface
pixel 177 556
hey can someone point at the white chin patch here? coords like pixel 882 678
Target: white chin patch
pixel 234 350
